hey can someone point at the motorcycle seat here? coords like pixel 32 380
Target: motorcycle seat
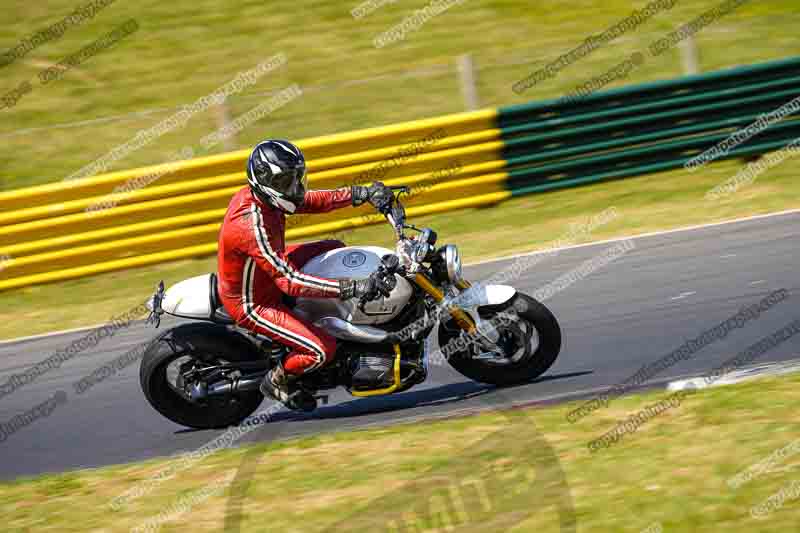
pixel 219 314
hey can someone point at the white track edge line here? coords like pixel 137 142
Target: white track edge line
pixel 493 260
pixel 56 333
pixel 635 236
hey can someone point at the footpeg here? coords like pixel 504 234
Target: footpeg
pixel 301 401
pixel 322 398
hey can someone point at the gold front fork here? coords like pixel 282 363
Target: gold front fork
pixel 463 319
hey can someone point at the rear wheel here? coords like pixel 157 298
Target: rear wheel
pixel 178 357
pixel 529 343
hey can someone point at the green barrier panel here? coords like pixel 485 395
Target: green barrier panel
pixel 519 177
pixel 643 128
pixel 634 171
pixel 791 87
pixel 784 130
pixel 747 110
pixel 657 90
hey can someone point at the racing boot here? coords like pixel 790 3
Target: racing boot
pixel 279 385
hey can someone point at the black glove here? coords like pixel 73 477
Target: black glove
pixel 378 283
pixel 378 194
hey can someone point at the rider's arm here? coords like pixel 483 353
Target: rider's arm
pixel 322 201
pixel 376 194
pixel 289 279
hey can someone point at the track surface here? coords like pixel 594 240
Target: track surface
pixel 670 288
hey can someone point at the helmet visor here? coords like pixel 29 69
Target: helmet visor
pixel 292 183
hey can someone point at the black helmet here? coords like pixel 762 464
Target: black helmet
pixel 276 172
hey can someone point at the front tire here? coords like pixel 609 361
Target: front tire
pixel 203 342
pixel 512 372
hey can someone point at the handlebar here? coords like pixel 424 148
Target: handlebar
pixel 394 211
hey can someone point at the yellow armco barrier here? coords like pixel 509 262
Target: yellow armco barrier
pixel 391 138
pixel 68 230
pixel 397 134
pixel 381 154
pixel 146 211
pixel 115 232
pixel 432 162
pixel 63 191
pixel 154 241
pixel 97 203
pixel 204 250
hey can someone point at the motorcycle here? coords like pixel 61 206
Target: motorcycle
pixel 206 374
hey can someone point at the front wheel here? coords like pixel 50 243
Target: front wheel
pixel 529 343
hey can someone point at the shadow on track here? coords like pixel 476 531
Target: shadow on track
pixel 434 396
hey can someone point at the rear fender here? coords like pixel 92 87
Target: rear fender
pixel 190 298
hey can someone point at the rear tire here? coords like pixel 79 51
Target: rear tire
pixel 526 370
pixel 206 342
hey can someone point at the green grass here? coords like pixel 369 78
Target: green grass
pixel 490 472
pixel 185 49
pixel 648 203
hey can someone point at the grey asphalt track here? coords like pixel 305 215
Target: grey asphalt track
pixel 643 305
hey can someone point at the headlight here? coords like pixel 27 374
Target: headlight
pixel 452 260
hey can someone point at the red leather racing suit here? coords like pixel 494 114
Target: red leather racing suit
pixel 255 269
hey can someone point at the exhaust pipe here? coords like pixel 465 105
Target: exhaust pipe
pixel 248 383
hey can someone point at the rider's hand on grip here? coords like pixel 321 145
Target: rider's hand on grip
pixel 385 281
pixel 380 282
pixel 377 194
pixel 390 262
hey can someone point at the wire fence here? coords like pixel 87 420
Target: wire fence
pixel 420 73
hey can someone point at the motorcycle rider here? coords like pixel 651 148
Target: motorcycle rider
pixel 256 268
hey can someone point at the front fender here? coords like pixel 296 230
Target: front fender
pixel 479 295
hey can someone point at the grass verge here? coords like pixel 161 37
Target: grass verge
pixel 504 470
pixel 185 49
pixel 648 203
